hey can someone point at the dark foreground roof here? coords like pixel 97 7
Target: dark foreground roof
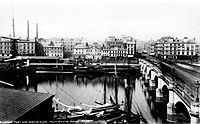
pixel 15 103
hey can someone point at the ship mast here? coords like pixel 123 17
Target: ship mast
pixel 116 79
pixel 104 91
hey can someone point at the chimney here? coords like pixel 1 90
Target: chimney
pixel 28 30
pixel 36 31
pixel 13 26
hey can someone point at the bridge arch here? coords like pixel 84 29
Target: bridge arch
pixel 182 110
pixel 165 88
pixel 161 81
pixel 156 81
pixel 165 91
pixel 144 67
pixel 154 76
pixel 146 71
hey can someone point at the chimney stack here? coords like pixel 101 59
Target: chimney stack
pixel 13 26
pixel 28 30
pixel 37 31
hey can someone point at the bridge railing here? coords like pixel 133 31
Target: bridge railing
pixel 186 98
pixel 185 87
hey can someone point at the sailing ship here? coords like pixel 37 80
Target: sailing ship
pixel 106 112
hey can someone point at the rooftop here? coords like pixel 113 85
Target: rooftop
pixel 80 46
pixel 15 103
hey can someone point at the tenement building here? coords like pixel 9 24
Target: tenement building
pixel 174 48
pixel 113 48
pixel 119 47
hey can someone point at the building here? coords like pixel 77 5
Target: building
pixel 17 106
pixel 93 53
pixel 118 52
pixel 53 49
pixel 113 41
pixel 120 47
pixel 131 47
pixel 105 53
pixel 26 48
pixel 174 48
pixel 150 47
pixel 69 44
pixel 114 53
pixel 80 51
pixel 23 47
pixel 113 48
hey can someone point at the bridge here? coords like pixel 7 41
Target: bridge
pixel 179 96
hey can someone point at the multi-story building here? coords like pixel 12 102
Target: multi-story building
pixel 118 52
pixel 131 47
pixel 69 44
pixel 5 48
pixel 53 48
pixel 113 53
pixel 113 41
pixel 80 51
pixel 114 48
pixel 26 48
pixel 105 53
pixel 174 48
pixel 23 47
pixel 94 53
pixel 150 47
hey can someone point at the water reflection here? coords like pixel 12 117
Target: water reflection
pixel 76 89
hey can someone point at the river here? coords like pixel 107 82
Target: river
pixel 76 90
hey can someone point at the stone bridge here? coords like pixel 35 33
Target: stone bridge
pixel 179 103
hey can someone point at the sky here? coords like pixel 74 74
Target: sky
pixel 97 19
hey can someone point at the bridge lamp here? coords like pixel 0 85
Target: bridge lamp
pixel 197 86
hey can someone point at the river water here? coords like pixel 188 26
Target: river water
pixel 75 90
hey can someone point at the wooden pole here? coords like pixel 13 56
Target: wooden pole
pixel 105 90
pixel 116 90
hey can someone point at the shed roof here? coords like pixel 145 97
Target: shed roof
pixel 15 103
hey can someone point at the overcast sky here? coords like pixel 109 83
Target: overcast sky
pixel 97 19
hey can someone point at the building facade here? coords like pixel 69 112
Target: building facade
pixel 113 41
pixel 150 47
pixel 23 47
pixel 94 53
pixel 53 49
pixel 118 52
pixel 26 48
pixel 80 51
pixel 69 44
pixel 131 47
pixel 113 48
pixel 174 48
